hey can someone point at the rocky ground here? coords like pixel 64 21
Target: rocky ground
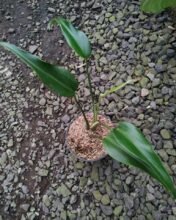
pixel 39 177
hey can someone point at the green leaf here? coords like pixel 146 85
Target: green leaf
pixel 127 144
pixel 114 89
pixel 76 39
pixel 156 6
pixel 56 78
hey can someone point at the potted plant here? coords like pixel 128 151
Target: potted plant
pixel 123 142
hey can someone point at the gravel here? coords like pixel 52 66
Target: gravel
pixel 39 177
pixel 33 48
pixel 144 92
pixel 165 134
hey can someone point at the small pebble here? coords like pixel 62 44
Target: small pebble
pixel 144 92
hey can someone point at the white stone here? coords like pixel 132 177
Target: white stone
pixel 33 48
pixel 144 92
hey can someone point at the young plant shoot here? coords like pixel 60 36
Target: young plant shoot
pixel 125 143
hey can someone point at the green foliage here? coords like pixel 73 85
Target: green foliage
pixel 126 144
pixel 156 6
pixel 76 39
pixel 56 78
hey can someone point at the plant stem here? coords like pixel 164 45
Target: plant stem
pixel 91 91
pixel 84 115
pixel 105 126
pixel 97 108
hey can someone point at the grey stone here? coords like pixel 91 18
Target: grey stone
pixel 71 216
pixel 96 5
pixel 168 145
pixel 145 60
pixel 94 173
pixel 153 104
pixel 170 52
pixel 33 48
pixel 129 202
pixel 103 60
pixel 79 165
pixel 150 189
pixel 83 181
pixel 105 199
pixel 24 189
pixel 117 211
pixel 43 172
pixel 73 199
pixel 159 68
pixel 149 216
pixel 151 65
pixel 151 76
pixel 117 182
pixel 49 110
pixel 144 92
pixel 97 195
pixel 150 197
pixel 135 100
pixel 139 70
pixel 153 37
pixel 102 41
pixel 86 92
pixel 165 90
pixel 52 10
pixel 171 217
pixel 3 159
pixel 125 44
pixel 9 177
pixel 11 30
pixel 22 217
pixel 132 40
pixel 42 101
pixel 10 143
pixel 63 190
pixel 129 180
pixel 111 106
pixel 141 217
pixel 46 200
pixel 112 18
pixel 81 77
pixel 66 119
pixel 108 171
pixel 114 30
pixel 63 215
pixel 2 177
pixel 112 75
pixel 107 210
pixel 165 134
pixel 156 82
pixel 174 210
pixel 25 207
pixel 144 82
pixel 169 124
pixel 171 152
pixel 72 18
pixel 101 19
pixel 163 154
